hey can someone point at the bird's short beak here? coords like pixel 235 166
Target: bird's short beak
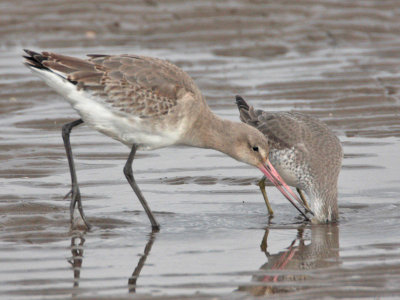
pixel 273 176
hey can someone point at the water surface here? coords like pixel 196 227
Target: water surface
pixel 334 60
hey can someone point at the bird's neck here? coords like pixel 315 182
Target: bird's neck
pixel 324 204
pixel 212 132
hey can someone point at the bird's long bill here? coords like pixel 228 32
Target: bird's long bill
pixel 273 176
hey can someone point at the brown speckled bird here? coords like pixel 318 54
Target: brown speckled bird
pixel 306 154
pixel 145 103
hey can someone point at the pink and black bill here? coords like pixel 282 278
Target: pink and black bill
pixel 273 176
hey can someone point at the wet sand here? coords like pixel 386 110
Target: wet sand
pixel 335 60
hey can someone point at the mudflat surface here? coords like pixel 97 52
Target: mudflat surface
pixel 335 60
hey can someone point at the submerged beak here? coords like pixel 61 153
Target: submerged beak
pixel 273 176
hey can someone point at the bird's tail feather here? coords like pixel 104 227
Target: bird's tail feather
pixel 34 59
pixel 246 111
pixel 241 103
pixel 73 69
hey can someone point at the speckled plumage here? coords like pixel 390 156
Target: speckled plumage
pixel 305 152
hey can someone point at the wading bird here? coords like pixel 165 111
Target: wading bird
pixel 305 153
pixel 145 103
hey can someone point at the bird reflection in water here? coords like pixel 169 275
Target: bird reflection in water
pixel 77 241
pixel 288 270
pixel 135 275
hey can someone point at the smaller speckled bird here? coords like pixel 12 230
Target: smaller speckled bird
pixel 306 154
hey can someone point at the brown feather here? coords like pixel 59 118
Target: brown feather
pixel 68 61
pixel 142 86
pixel 86 77
pixel 58 67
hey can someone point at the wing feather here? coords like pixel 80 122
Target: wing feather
pixel 142 86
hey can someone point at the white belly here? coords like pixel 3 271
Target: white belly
pixel 288 176
pixel 129 130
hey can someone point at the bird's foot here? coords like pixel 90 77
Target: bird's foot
pixel 75 195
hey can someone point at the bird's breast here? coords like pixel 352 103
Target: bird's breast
pixel 285 162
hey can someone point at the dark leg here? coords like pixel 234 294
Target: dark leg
pixel 129 176
pixel 75 193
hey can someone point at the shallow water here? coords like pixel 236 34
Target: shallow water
pixel 332 60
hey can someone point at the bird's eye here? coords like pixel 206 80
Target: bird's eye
pixel 255 148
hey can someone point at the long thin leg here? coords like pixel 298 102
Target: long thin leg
pixel 129 176
pixel 303 198
pixel 75 193
pixel 261 184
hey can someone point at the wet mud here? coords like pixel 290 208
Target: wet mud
pixel 335 60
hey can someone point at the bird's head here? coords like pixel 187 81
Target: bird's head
pixel 252 148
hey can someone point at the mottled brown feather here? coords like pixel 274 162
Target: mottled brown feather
pixel 69 61
pixel 142 86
